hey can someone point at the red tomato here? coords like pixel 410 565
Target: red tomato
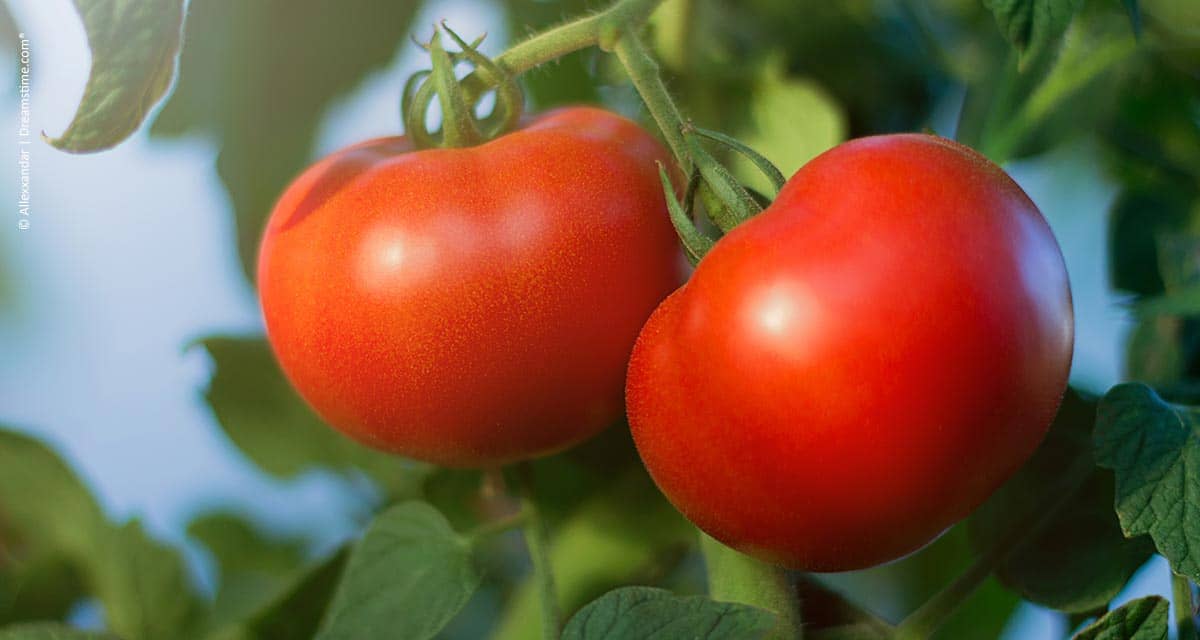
pixel 857 368
pixel 471 307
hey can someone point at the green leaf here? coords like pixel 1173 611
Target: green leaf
pixel 259 75
pixel 50 631
pixel 254 570
pixel 1080 561
pixel 599 547
pixel 1033 25
pixel 1154 449
pixel 644 613
pixel 261 413
pixel 1142 619
pixel 43 587
pixel 134 44
pixel 410 571
pixel 43 504
pixel 294 613
pixel 790 120
pixel 144 586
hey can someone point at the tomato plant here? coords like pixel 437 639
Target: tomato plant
pixel 471 307
pixel 859 366
pixel 876 408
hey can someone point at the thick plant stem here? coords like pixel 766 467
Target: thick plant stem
pixel 613 29
pixel 643 71
pixel 536 539
pixel 557 42
pixel 736 577
pixel 1185 608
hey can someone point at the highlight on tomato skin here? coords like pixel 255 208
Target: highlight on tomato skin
pixel 860 366
pixel 471 307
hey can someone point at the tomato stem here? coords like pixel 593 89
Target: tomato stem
pixel 1185 607
pixel 536 539
pixel 926 619
pixel 643 71
pixel 613 29
pixel 736 577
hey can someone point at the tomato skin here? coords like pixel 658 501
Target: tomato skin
pixel 860 366
pixel 471 307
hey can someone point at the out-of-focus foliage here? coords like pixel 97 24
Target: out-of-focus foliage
pixel 51 525
pixel 791 79
pixel 258 76
pixel 1080 560
pixel 269 422
pixel 134 44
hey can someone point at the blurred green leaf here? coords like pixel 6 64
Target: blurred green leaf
pixel 827 44
pixel 258 76
pixel 144 586
pixel 1033 25
pixel 894 590
pixel 1141 619
pixel 261 413
pixel 1059 101
pixel 790 121
pixel 410 571
pixel 295 613
pixel 599 547
pixel 253 569
pixel 50 631
pixel 644 613
pixel 1139 217
pixel 134 44
pixel 1154 449
pixel 42 502
pixel 1080 560
pixel 40 588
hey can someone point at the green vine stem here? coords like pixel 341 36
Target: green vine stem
pixel 1185 607
pixel 643 71
pixel 926 619
pixel 613 29
pixel 736 577
pixel 537 539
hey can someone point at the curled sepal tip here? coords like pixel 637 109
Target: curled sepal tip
pixel 695 244
pixel 768 168
pixel 735 204
pixel 461 127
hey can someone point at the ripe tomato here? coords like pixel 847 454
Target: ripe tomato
pixel 858 367
pixel 471 307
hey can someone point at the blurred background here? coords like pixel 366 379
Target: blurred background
pixel 137 257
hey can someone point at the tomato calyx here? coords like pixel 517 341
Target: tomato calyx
pixel 461 126
pixel 726 201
